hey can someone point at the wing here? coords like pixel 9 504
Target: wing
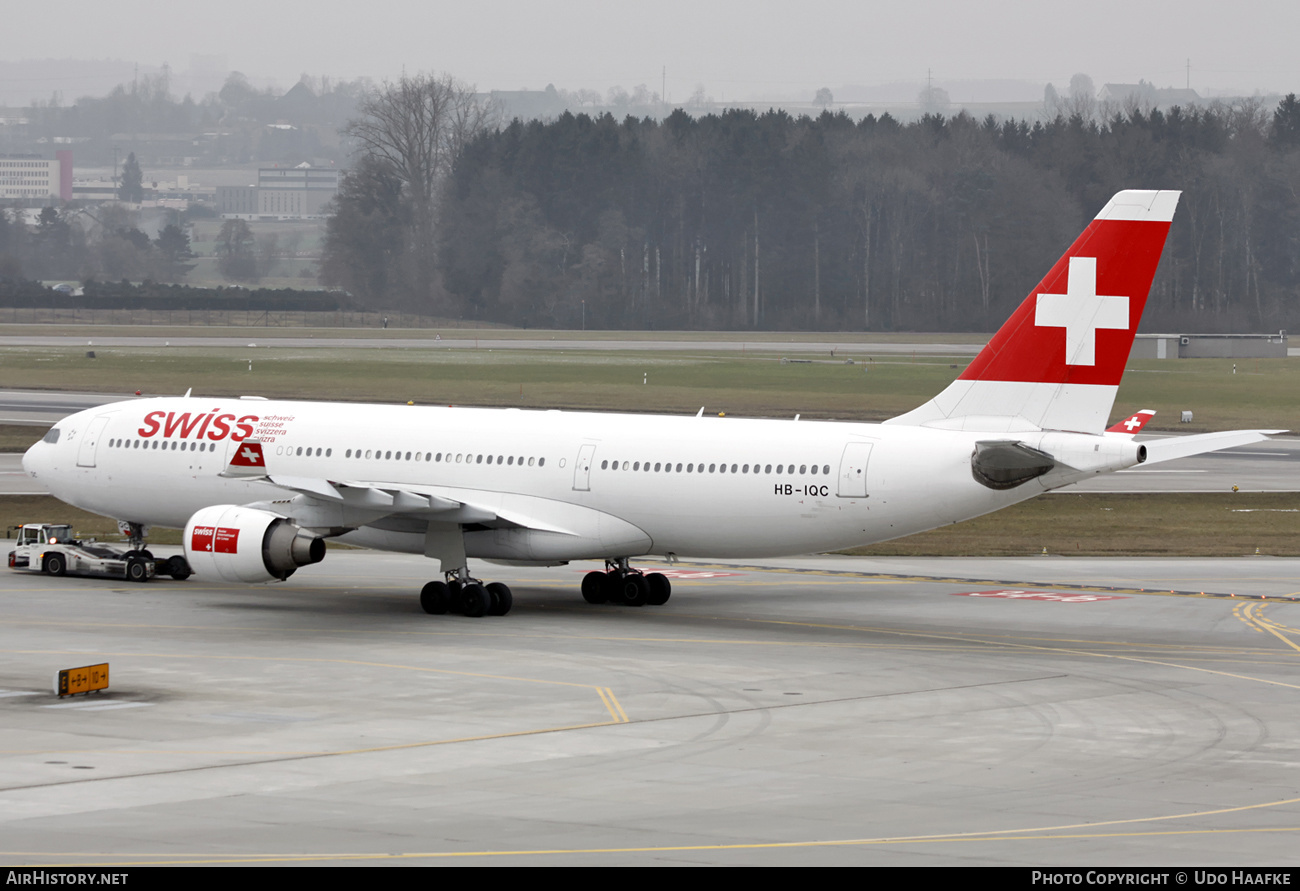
pixel 506 525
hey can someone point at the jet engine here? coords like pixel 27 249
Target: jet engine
pixel 241 544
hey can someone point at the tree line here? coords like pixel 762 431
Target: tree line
pixel 768 221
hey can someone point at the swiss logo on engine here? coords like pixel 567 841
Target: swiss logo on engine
pixel 214 539
pixel 201 538
pixel 227 541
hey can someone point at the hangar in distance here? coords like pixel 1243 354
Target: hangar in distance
pixel 259 486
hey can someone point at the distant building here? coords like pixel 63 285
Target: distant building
pixel 237 200
pixel 1210 346
pixel 301 191
pixel 1143 94
pixel 31 178
pixel 294 192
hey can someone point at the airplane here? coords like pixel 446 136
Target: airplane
pixel 260 485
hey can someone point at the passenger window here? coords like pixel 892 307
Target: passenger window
pixel 541 462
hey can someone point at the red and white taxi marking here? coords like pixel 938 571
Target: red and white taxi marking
pixel 1051 596
pixel 690 574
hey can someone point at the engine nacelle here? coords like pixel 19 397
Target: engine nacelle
pixel 241 544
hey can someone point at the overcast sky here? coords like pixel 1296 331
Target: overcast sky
pixel 737 49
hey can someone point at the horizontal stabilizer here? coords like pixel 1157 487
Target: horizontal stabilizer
pixel 1185 446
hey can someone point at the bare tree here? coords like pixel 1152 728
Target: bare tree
pixel 417 127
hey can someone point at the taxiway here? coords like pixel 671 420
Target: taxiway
pixel 812 711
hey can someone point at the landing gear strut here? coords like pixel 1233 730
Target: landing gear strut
pixel 622 584
pixel 464 594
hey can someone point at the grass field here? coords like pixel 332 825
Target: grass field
pixel 1110 525
pixel 1262 393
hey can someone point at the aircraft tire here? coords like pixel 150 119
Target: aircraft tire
pixel 502 599
pixel 435 598
pixel 660 588
pixel 630 589
pixel 136 570
pixel 475 600
pixel 593 587
pixel 178 568
pixel 612 588
pixel 56 564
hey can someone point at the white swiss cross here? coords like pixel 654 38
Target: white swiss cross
pixel 1133 423
pixel 250 455
pixel 1081 311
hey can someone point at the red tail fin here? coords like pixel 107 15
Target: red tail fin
pixel 1058 360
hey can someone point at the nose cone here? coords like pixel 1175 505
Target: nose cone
pixel 32 463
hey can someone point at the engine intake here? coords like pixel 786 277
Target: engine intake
pixel 240 544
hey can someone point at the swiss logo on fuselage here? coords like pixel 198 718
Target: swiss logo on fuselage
pixel 248 455
pixel 214 425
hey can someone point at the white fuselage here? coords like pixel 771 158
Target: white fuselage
pixel 694 486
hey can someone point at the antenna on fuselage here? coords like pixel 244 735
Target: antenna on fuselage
pixel 187 393
pixel 700 413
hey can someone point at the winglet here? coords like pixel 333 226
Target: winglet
pixel 1133 424
pixel 247 461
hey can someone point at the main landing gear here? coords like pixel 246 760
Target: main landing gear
pixel 466 595
pixel 622 584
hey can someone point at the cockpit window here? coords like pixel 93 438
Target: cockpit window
pixel 52 435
